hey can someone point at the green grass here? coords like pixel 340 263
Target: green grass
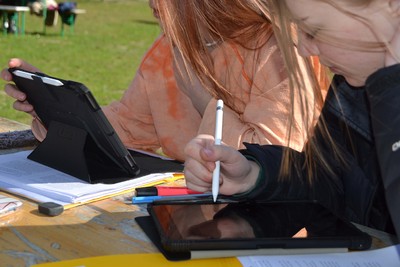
pixel 104 52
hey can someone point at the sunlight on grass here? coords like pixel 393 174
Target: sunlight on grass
pixel 104 52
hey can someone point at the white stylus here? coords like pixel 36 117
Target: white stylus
pixel 218 138
pixel 29 76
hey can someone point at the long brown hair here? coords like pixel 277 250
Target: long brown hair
pixel 194 26
pixel 191 24
pixel 285 33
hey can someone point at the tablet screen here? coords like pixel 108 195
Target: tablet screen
pixel 251 225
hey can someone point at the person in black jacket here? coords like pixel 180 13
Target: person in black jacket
pixel 351 162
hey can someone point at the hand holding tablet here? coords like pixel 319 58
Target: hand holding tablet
pixel 80 140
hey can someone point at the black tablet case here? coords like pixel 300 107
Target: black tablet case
pixel 149 227
pixel 80 141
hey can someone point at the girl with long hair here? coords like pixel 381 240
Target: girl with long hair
pixel 208 50
pixel 350 162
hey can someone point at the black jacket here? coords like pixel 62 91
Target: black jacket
pixel 365 124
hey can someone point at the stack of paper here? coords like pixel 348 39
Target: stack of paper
pixel 35 181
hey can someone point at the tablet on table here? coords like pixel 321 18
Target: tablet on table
pixel 203 225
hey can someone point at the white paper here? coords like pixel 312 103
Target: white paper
pixel 39 182
pixel 385 257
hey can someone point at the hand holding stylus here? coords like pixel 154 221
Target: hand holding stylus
pixel 212 165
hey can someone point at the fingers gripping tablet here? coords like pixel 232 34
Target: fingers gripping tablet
pixel 80 140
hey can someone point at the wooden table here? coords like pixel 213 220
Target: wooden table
pixel 101 228
pixel 15 135
pixel 7 125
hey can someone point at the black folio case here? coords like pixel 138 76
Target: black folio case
pixel 80 140
pixel 179 229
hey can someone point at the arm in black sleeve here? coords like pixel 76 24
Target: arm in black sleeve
pixel 272 187
pixel 383 88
